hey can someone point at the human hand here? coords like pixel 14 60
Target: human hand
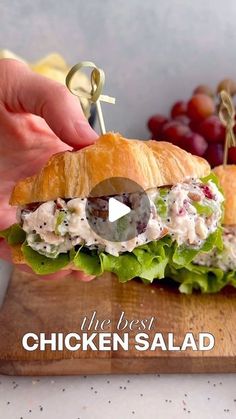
pixel 38 118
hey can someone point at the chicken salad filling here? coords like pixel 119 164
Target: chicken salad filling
pixel 225 259
pixel 189 212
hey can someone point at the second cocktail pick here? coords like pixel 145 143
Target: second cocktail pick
pixel 97 84
pixel 227 117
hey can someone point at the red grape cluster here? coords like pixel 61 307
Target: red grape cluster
pixel 195 125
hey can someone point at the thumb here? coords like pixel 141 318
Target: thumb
pixel 22 90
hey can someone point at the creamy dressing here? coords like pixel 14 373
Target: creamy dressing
pixel 56 227
pixel 185 224
pixel 225 260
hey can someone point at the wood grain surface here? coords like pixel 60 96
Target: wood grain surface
pixel 34 305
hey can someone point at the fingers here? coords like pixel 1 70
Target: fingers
pixel 82 276
pixel 55 276
pixel 25 91
pixel 5 251
pixel 58 275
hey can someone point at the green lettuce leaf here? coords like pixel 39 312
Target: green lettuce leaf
pixel 125 266
pixel 201 278
pixel 43 265
pixel 153 258
pixel 213 178
pixel 183 255
pixel 146 262
pixel 195 277
pixel 13 235
pixel 87 261
pixel 231 278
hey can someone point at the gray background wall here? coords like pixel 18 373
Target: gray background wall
pixel 153 51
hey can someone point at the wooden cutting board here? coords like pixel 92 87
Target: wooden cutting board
pixel 33 305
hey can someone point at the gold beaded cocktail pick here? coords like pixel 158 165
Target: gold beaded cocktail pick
pixel 97 84
pixel 227 117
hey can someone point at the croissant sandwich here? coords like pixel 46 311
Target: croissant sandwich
pixel 53 229
pixel 213 270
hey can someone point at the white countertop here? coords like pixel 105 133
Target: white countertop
pixel 117 397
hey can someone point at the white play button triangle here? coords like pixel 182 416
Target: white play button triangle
pixel 116 210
